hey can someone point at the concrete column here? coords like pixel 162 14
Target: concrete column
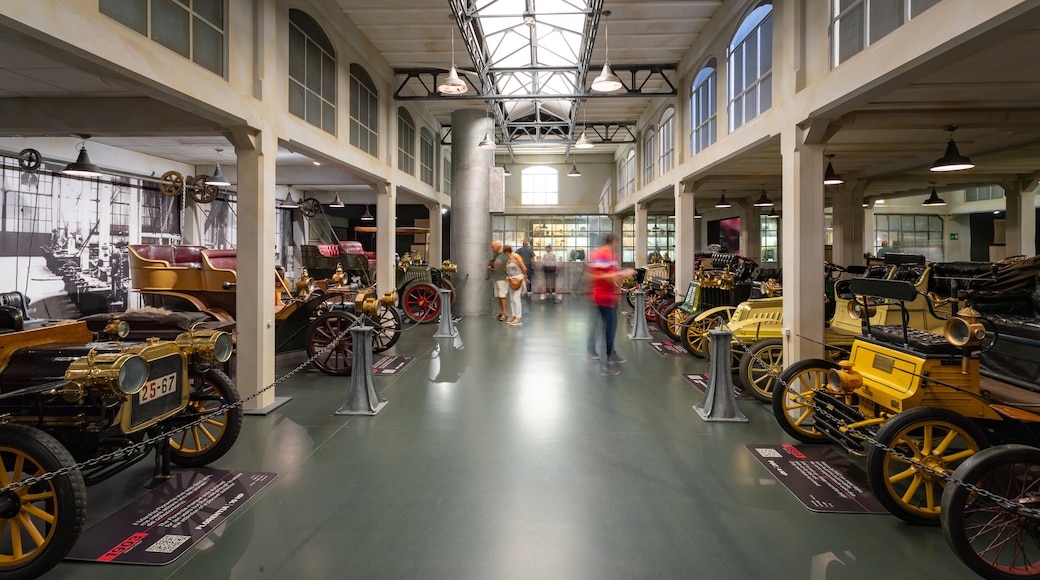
pixel 257 155
pixel 386 237
pixel 801 233
pixel 1021 219
pixel 750 229
pixel 436 251
pixel 471 221
pixel 847 205
pixel 684 238
pixel 641 232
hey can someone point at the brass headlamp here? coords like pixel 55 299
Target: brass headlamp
pixel 121 372
pixel 449 267
pixel 857 310
pixel 965 328
pixel 305 285
pixel 116 329
pixel 206 343
pixel 366 303
pixel 337 277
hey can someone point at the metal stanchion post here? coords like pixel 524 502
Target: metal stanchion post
pixel 639 329
pixel 362 399
pixel 720 403
pixel 445 326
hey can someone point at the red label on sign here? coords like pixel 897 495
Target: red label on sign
pixel 122 547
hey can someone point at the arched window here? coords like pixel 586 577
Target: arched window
pixel 856 24
pixel 539 185
pixel 751 67
pixel 426 150
pixel 630 171
pixel 666 134
pixel 364 111
pixel 703 108
pixel 312 73
pixel 405 141
pixel 649 156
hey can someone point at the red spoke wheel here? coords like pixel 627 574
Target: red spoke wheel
pixel 421 302
pixel 328 336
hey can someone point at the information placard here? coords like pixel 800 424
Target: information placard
pixel 822 478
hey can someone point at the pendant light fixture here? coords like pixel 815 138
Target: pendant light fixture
pixel 696 214
pixel 866 203
pixel 487 143
pixel 952 160
pixel 773 215
pixel 82 167
pixel 367 216
pixel 218 178
pixel 933 200
pixel 583 141
pixel 337 202
pixel 574 171
pixel 722 203
pixel 763 200
pixel 831 177
pixel 506 171
pixel 453 85
pixel 607 81
pixel 289 203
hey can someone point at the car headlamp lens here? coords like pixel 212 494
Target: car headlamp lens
pixel 222 347
pixel 132 375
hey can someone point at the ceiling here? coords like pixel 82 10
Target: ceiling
pixel 888 138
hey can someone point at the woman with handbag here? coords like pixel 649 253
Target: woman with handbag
pixel 516 275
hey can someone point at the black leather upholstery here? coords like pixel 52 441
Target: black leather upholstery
pixel 919 340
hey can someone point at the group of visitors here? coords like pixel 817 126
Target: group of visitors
pixel 511 274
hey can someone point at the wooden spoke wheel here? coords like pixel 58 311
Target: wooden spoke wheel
pixel 672 319
pixel 421 302
pixel 793 398
pixel 329 339
pixel 171 183
pixel 760 366
pixel 208 441
pixel 386 328
pixel 42 521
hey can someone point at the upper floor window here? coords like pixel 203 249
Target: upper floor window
pixel 446 173
pixel 426 150
pixel 856 24
pixel 195 29
pixel 751 67
pixel 630 171
pixel 539 185
pixel 703 108
pixel 649 156
pixel 312 72
pixel 983 193
pixel 405 141
pixel 665 134
pixel 364 111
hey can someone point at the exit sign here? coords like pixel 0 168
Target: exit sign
pixel 953 236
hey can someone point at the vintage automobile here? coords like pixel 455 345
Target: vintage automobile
pixel 913 402
pixel 723 281
pixel 70 397
pixel 309 315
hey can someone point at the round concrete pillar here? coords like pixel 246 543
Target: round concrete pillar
pixel 470 219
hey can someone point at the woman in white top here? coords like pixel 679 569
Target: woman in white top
pixel 515 269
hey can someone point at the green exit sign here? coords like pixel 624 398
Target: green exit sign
pixel 953 236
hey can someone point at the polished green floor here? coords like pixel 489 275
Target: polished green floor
pixel 503 454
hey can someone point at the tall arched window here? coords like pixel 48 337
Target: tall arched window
pixel 539 185
pixel 630 171
pixel 312 72
pixel 426 150
pixel 364 111
pixel 649 155
pixel 751 67
pixel 666 136
pixel 405 141
pixel 703 108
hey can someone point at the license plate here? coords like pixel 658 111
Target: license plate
pixel 158 387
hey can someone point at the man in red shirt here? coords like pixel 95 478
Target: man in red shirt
pixel 604 274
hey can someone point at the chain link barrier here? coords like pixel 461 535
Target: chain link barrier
pixel 142 445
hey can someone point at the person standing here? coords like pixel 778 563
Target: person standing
pixel 605 273
pixel 526 253
pixel 549 270
pixel 884 249
pixel 516 275
pixel 497 269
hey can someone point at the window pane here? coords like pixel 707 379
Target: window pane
pixel 170 25
pixel 313 109
pixel 885 16
pixel 129 13
pixel 313 67
pixel 208 49
pixel 297 54
pixel 850 34
pixel 296 99
pixel 328 118
pixel 328 78
pixel 211 10
pixel 919 6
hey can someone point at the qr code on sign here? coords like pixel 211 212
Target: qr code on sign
pixel 768 452
pixel 167 543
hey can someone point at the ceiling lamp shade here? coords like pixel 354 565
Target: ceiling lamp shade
pixel 866 203
pixel 337 202
pixel 696 214
pixel 574 171
pixel 506 171
pixel 952 160
pixel 367 216
pixel 763 201
pixel 773 215
pixel 82 167
pixel 453 85
pixel 217 178
pixel 831 177
pixel 722 203
pixel 487 143
pixel 583 142
pixel 289 203
pixel 607 81
pixel 933 200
